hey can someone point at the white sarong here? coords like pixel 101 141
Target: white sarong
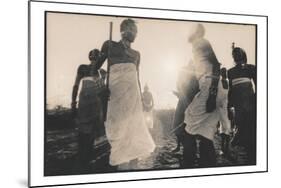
pixel 125 127
pixel 197 120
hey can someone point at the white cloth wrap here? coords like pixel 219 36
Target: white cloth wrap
pixel 125 127
pixel 197 120
pixel 237 81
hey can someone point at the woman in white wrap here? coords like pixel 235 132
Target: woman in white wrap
pixel 209 105
pixel 125 126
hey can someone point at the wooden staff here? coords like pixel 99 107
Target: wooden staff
pixel 108 66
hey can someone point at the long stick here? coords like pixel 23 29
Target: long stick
pixel 108 66
pixel 176 128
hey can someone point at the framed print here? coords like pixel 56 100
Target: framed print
pixel 131 93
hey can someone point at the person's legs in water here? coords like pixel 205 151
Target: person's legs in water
pixel 189 150
pixel 207 152
pixel 178 119
pixel 251 142
pixel 178 144
pixel 180 140
pixel 251 120
pixel 85 149
pixel 246 134
pixel 92 153
pixel 81 155
pixel 225 143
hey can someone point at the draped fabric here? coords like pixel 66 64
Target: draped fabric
pixel 126 128
pixel 197 120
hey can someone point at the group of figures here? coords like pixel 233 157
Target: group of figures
pixel 213 99
pixel 207 95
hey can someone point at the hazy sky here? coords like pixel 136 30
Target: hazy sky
pixel 163 46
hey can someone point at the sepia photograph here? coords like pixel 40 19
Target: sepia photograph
pixel 145 94
pixel 125 93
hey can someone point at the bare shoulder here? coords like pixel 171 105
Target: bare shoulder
pixel 107 43
pixel 82 68
pixel 137 53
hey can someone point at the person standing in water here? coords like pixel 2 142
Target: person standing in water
pixel 125 127
pixel 89 116
pixel 224 128
pixel 243 98
pixel 203 113
pixel 148 104
pixel 187 87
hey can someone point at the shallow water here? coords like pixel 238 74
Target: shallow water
pixel 61 153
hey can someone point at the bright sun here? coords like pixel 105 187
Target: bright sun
pixel 171 69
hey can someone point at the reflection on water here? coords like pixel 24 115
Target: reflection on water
pixel 61 151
